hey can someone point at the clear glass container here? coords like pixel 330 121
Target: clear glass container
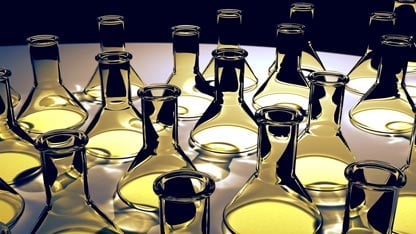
pixel 229 32
pixel 273 200
pixel 195 90
pixel 111 32
pixel 49 104
pixel 161 151
pixel 184 198
pixel 286 84
pixel 387 108
pixel 373 187
pixel 304 13
pixel 117 119
pixel 12 206
pixel 363 74
pixel 323 152
pixel 19 160
pixel 405 11
pixel 227 125
pixel 69 207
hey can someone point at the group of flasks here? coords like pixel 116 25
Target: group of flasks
pixel 297 173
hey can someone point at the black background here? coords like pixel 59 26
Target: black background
pixel 340 25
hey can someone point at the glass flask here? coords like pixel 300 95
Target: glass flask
pixel 11 206
pixel 161 151
pixel 184 198
pixel 111 31
pixel 69 208
pixel 364 73
pixel 386 108
pixel 195 91
pixel 227 125
pixel 273 200
pixel 405 11
pixel 19 160
pixel 229 29
pixel 322 152
pixel 406 204
pixel 303 13
pixel 286 84
pixel 49 104
pixel 373 187
pixel 116 130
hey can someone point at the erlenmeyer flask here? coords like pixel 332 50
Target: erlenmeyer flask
pixel 111 34
pixel 69 208
pixel 303 13
pixel 195 91
pixel 19 160
pixel 386 108
pixel 229 27
pixel 323 153
pixel 273 200
pixel 286 84
pixel 227 125
pixel 11 206
pixel 405 11
pixel 49 104
pixel 116 130
pixel 364 73
pixel 161 151
pixel 406 204
pixel 371 200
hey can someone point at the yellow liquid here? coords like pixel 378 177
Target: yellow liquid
pixel 192 106
pixel 115 144
pixel 139 192
pixel 226 139
pixel 387 121
pixel 404 220
pixel 14 163
pixel 271 217
pixel 272 99
pixel 321 173
pixel 360 85
pixel 46 120
pixel 10 208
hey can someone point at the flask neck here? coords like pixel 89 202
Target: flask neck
pixel 288 67
pixel 115 78
pixel 325 106
pixel 111 33
pixel 45 64
pixel 160 122
pixel 63 165
pixel 185 53
pixel 6 108
pixel 229 25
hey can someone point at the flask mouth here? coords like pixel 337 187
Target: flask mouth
pixel 194 185
pixel 229 13
pixel 43 40
pixel 280 114
pixel 186 30
pixel 110 19
pixel 375 174
pixel 328 77
pixel 113 57
pixel 61 141
pixel 229 54
pixel 302 6
pixel 5 74
pixel 159 91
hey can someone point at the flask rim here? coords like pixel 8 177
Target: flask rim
pixel 206 182
pixel 354 172
pixel 291 114
pixel 110 19
pixel 229 12
pixel 328 77
pixel 61 140
pixel 229 53
pixel 146 92
pixel 302 6
pixel 113 57
pixel 5 74
pixel 43 40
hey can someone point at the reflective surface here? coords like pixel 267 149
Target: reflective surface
pixel 154 61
